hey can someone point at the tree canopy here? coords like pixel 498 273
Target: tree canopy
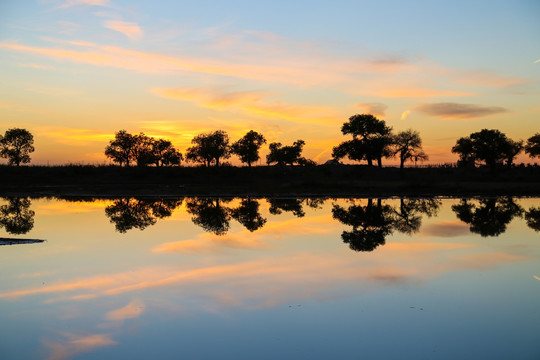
pixel 286 155
pixel 142 150
pixel 247 148
pixel 491 147
pixel 16 145
pixel 408 146
pixel 209 148
pixel 371 139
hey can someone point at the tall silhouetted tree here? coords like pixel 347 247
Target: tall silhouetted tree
pixel 286 155
pixel 16 145
pixel 16 217
pixel 408 146
pixel 122 149
pixel 208 148
pixel 248 215
pixel 371 139
pixel 371 224
pixel 533 146
pixel 247 148
pixel 487 217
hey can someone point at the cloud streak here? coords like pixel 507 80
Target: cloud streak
pixel 252 103
pixel 459 111
pixel 129 29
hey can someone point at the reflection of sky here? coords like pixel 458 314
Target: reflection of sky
pixel 291 289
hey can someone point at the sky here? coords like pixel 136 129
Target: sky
pixel 74 72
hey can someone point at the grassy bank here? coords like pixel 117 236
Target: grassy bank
pixel 323 180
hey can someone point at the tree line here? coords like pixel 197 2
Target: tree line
pixel 372 140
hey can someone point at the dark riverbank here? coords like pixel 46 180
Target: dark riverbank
pixel 323 180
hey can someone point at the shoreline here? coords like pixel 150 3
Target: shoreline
pixel 335 181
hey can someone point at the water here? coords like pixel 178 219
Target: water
pixel 270 279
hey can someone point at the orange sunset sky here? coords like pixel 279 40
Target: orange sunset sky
pixel 73 72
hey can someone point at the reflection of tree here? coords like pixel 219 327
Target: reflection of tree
pixel 277 206
pixel 16 216
pixel 209 214
pixel 129 213
pixel 371 224
pixel 533 218
pixel 248 214
pixel 487 217
pixel 409 217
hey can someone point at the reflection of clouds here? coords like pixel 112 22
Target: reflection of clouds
pixel 425 246
pixel 73 345
pixel 210 243
pixel 446 228
pixel 485 261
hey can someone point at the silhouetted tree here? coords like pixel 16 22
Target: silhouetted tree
pixel 277 206
pixel 533 218
pixel 165 154
pixel 408 218
pixel 247 148
pixel 248 215
pixel 131 213
pixel 371 224
pixel 16 217
pixel 143 152
pixel 489 146
pixel 408 146
pixel 16 145
pixel 285 155
pixel 533 146
pixel 487 217
pixel 371 139
pixel 208 148
pixel 209 214
pixel 122 149
pixel 464 148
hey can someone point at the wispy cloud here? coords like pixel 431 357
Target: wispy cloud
pixel 132 310
pixel 250 102
pixel 129 29
pixel 417 93
pixel 376 108
pixel 459 111
pixel 70 3
pixel 537 61
pixel 405 114
pixel 35 66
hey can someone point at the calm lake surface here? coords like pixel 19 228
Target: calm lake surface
pixel 270 278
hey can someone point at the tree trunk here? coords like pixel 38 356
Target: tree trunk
pixel 379 162
pixel 370 162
